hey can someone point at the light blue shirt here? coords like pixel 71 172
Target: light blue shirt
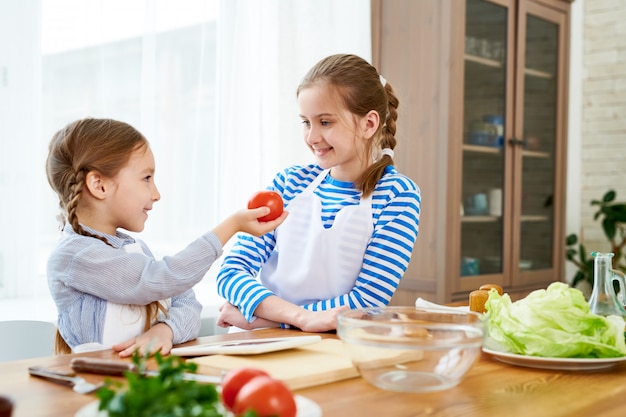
pixel 84 273
pixel 396 204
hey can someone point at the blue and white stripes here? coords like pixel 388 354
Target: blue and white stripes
pixel 396 208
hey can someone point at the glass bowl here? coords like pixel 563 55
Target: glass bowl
pixel 411 349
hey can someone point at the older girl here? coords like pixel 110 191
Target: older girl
pixel 353 218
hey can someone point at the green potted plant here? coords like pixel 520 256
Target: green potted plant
pixel 612 215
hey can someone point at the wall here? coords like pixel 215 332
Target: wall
pixel 603 157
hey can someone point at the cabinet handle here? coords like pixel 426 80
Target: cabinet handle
pixel 516 141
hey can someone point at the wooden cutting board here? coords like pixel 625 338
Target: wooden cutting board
pixel 315 364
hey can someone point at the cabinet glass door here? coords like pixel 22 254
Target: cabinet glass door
pixel 538 147
pixel 483 216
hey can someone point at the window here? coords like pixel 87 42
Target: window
pixel 201 79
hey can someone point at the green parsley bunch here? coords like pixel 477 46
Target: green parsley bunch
pixel 164 395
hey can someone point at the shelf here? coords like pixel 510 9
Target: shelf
pixel 497 151
pixel 536 154
pixel 482 149
pixel 483 61
pixel 538 74
pixel 534 218
pixel 497 64
pixel 480 219
pixel 490 219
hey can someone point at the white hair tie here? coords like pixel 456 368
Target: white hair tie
pixel 383 81
pixel 387 151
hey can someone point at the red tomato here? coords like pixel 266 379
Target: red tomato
pixel 270 199
pixel 234 380
pixel 267 397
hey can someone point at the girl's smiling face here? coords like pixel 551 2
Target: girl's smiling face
pixel 133 192
pixel 335 136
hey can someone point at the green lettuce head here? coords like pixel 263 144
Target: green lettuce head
pixel 555 322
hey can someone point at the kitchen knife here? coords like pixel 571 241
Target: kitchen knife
pixel 118 368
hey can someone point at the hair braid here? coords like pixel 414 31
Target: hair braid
pixel 374 173
pixel 389 127
pixel 75 190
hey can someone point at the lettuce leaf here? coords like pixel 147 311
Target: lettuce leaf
pixel 555 322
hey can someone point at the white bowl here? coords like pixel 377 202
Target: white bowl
pixel 411 349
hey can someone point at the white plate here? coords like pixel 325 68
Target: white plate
pixel 563 364
pixel 421 303
pixel 305 407
pixel 246 346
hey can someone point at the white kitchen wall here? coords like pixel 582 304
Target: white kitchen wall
pixel 603 111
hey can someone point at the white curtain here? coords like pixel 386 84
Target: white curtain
pixel 214 93
pixel 264 49
pixel 20 151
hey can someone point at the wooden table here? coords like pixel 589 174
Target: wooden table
pixel 491 388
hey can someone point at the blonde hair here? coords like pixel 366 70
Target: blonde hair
pixel 85 145
pixel 359 87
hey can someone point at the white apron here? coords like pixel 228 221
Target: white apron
pixel 312 263
pixel 122 322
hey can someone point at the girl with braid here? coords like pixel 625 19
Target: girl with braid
pixel 353 218
pixel 108 288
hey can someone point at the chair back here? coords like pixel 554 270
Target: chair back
pixel 25 339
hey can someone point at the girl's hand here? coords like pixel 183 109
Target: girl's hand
pixel 231 316
pixel 157 339
pixel 319 321
pixel 247 220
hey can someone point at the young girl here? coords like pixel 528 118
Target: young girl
pixel 108 288
pixel 353 218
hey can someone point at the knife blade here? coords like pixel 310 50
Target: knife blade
pixel 118 368
pixel 78 384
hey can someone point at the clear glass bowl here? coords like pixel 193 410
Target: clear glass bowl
pixel 410 349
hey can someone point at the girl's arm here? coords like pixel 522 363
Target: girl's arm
pixel 282 311
pixel 236 280
pixel 184 317
pixel 90 266
pixel 231 316
pixel 181 325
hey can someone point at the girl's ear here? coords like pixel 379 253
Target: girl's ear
pixel 95 183
pixel 369 124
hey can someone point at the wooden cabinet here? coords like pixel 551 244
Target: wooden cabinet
pixel 482 129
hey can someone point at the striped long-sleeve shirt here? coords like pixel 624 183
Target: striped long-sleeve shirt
pixel 395 215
